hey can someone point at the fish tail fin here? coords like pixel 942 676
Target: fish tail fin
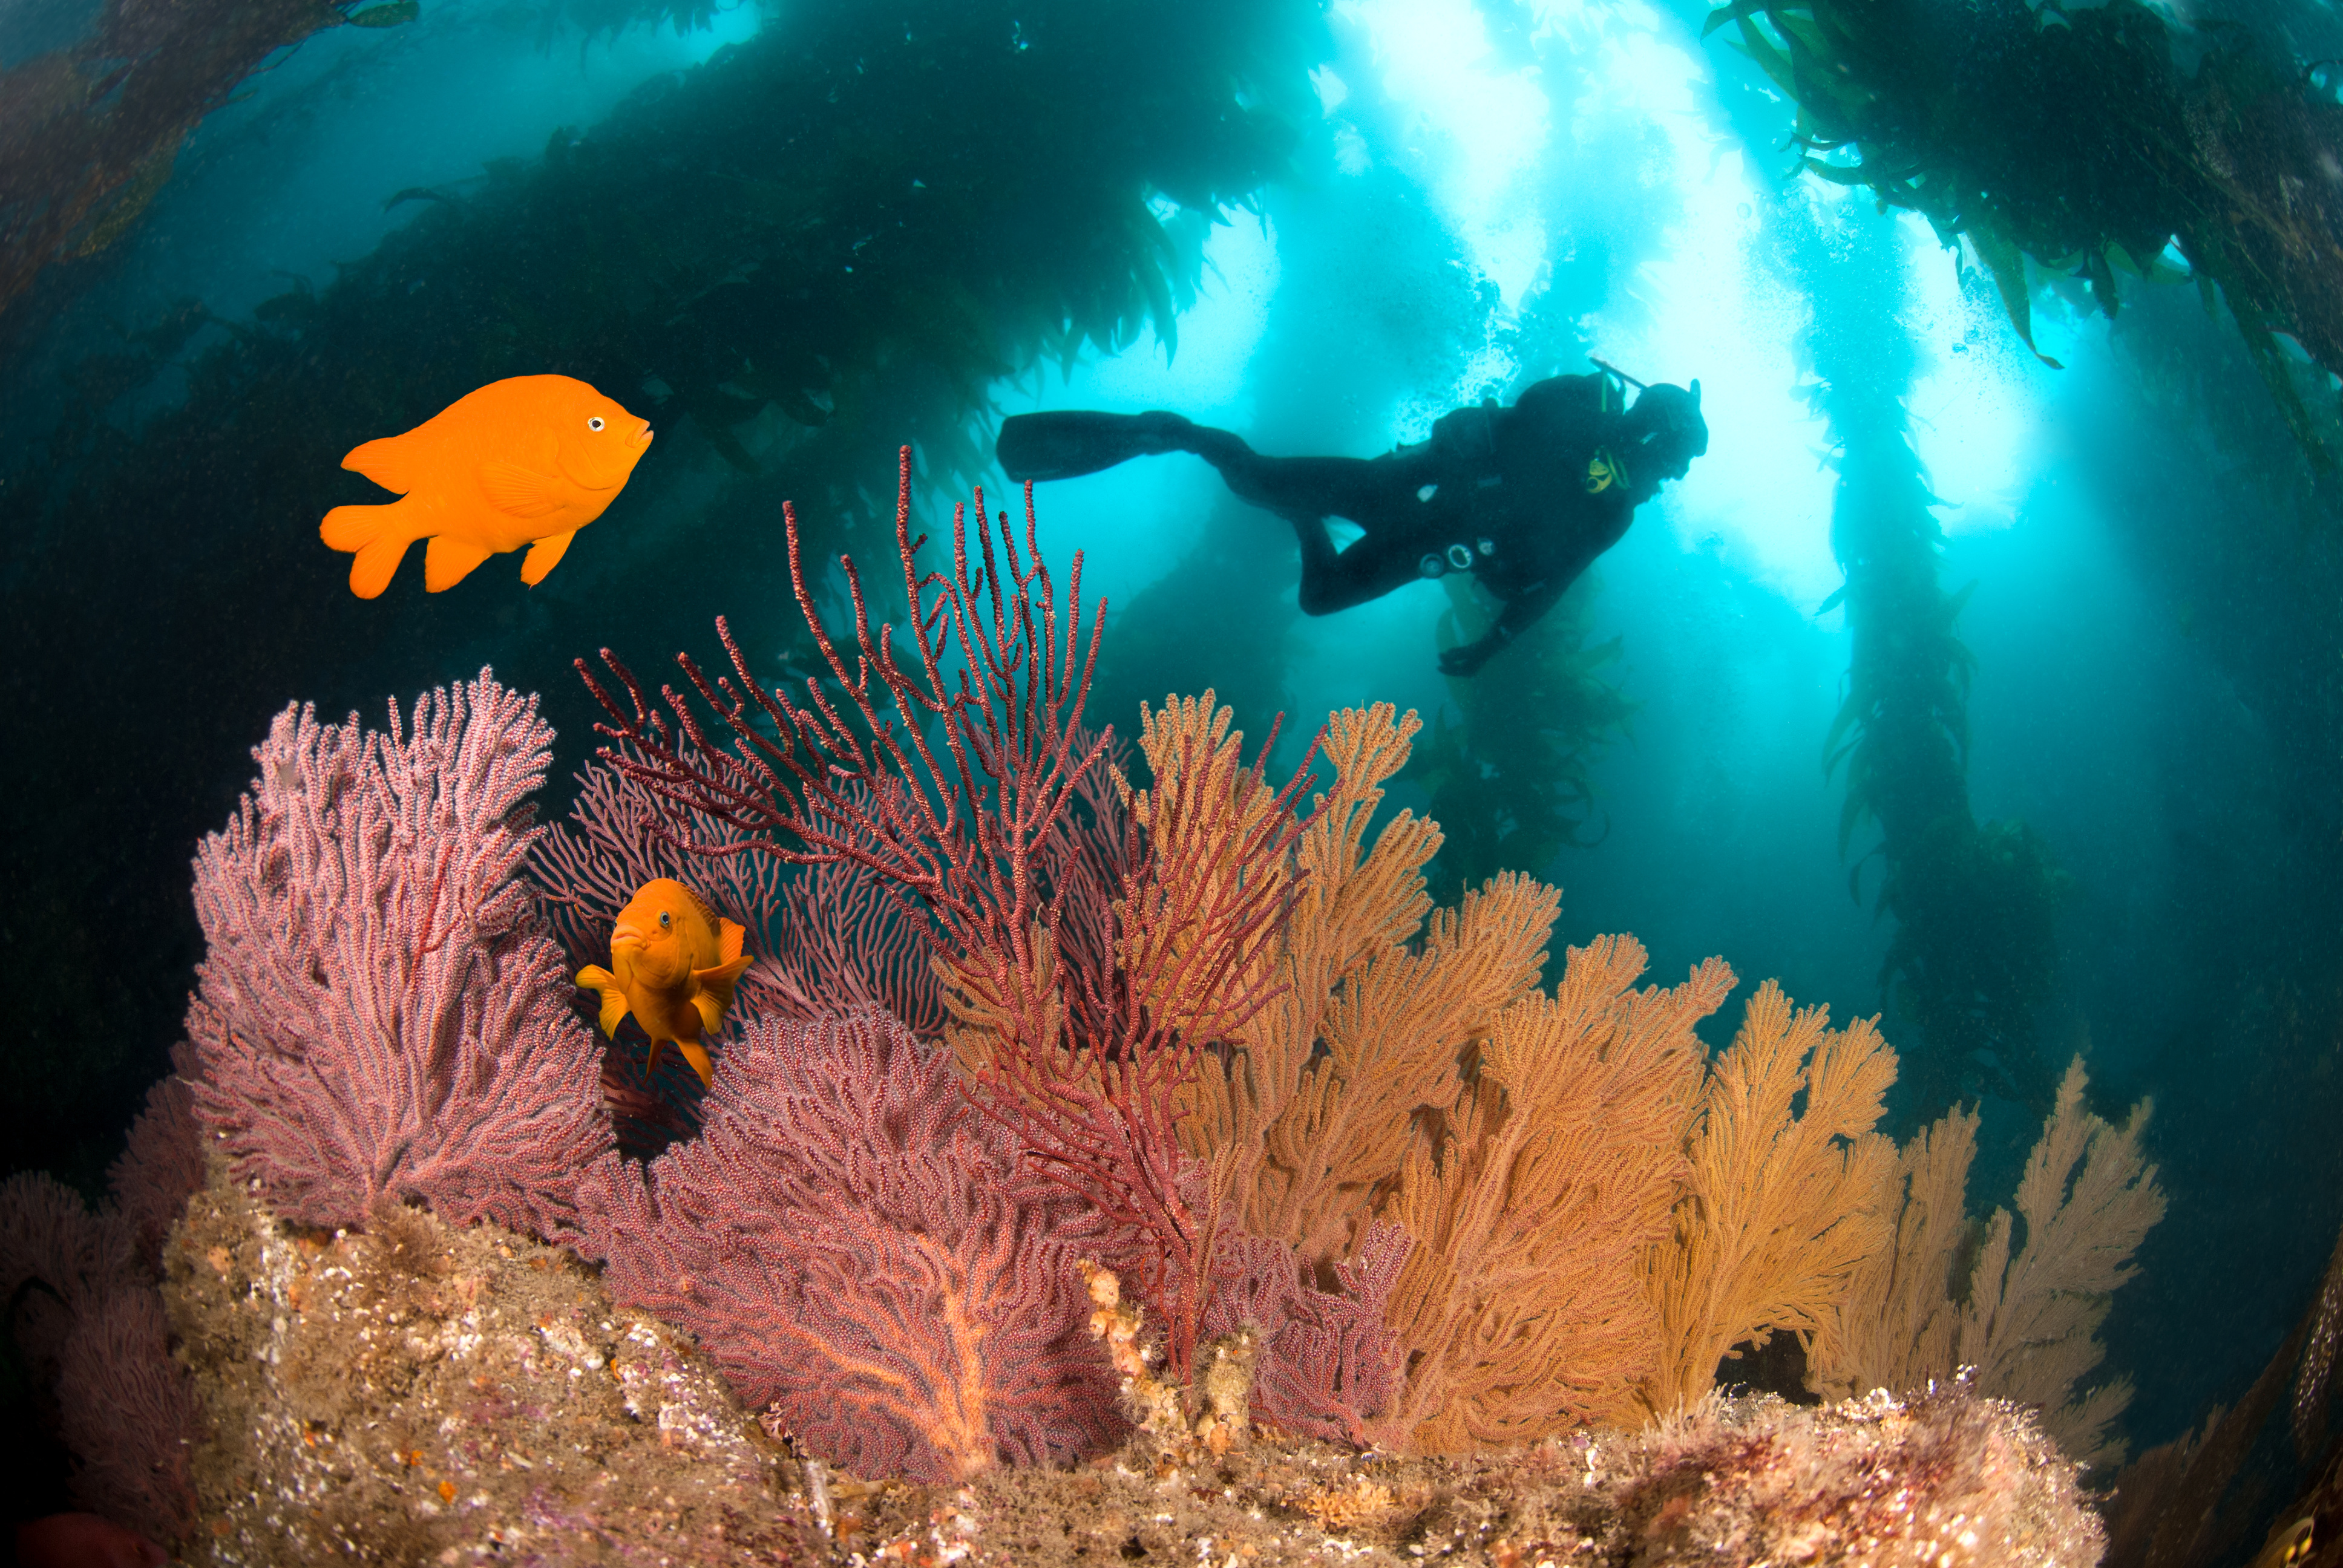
pixel 373 535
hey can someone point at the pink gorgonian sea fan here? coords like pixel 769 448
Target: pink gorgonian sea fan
pixel 866 1257
pixel 382 1015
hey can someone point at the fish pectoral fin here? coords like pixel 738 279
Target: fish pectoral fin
pixel 523 492
pixel 713 987
pixel 450 560
pixel 696 1054
pixel 710 1006
pixel 593 976
pixel 391 462
pixel 543 557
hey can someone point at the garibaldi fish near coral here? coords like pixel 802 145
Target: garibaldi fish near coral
pixel 528 460
pixel 676 963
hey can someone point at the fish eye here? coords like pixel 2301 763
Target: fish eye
pixel 595 423
pixel 665 919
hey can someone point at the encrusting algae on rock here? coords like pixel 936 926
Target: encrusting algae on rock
pixel 417 1393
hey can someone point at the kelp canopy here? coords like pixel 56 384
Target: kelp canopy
pixel 2074 139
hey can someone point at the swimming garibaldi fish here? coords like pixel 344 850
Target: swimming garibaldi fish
pixel 676 963
pixel 528 460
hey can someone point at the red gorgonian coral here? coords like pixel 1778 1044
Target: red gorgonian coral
pixel 381 1014
pixel 866 1257
pixel 956 772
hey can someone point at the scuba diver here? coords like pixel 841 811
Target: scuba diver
pixel 1525 497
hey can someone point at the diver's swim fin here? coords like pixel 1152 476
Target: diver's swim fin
pixel 1064 444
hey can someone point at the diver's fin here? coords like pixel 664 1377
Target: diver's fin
pixel 593 976
pixel 373 535
pixel 449 560
pixel 391 462
pixel 523 492
pixel 1065 443
pixel 543 557
pixel 696 1054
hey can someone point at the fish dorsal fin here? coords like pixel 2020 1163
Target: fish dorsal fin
pixel 730 938
pixel 392 461
pixel 523 492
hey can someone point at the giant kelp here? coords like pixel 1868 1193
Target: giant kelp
pixel 89 134
pixel 1974 952
pixel 2074 138
pixel 854 223
pixel 92 132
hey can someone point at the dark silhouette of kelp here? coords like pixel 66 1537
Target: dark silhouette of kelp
pixel 1975 953
pixel 2072 138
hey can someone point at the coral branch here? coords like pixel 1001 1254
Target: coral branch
pixel 955 770
pixel 863 1253
pixel 380 1014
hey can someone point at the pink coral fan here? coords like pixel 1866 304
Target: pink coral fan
pixel 128 1412
pixel 382 1015
pixel 864 1254
pixel 828 937
pixel 1329 1363
pixel 92 1329
pixel 163 1162
pixel 824 938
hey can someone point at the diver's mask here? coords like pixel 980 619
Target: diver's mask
pixel 1665 431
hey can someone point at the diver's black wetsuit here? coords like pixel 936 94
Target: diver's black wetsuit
pixel 1524 498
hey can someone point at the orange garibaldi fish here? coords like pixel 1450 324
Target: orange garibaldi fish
pixel 676 963
pixel 528 460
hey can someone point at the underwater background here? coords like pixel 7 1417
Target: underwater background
pixel 2068 633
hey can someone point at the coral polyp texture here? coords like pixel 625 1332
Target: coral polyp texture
pixel 866 1257
pixel 382 1013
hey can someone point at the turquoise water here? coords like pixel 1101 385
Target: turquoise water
pixel 1320 229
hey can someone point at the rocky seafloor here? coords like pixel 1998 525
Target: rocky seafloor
pixel 417 1394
